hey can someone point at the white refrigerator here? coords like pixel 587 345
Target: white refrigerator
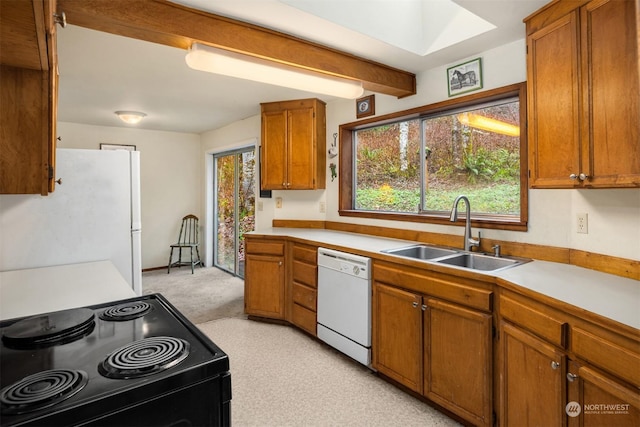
pixel 93 215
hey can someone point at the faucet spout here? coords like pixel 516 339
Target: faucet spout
pixel 468 241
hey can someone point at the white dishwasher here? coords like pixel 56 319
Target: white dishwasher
pixel 344 303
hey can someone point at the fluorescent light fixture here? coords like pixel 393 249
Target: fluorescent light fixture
pixel 131 117
pixel 218 61
pixel 485 123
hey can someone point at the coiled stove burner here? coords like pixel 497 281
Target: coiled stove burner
pixel 144 357
pixel 41 390
pixel 127 311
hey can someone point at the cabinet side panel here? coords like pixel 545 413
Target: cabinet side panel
pixel 23 169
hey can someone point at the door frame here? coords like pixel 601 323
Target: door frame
pixel 208 196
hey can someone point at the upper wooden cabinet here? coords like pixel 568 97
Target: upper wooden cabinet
pixel 28 89
pixel 583 95
pixel 293 144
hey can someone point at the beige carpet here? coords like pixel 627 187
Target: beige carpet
pixel 208 294
pixel 281 377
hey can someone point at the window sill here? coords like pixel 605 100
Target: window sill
pixel 487 222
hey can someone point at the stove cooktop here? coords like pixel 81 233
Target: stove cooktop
pixel 101 358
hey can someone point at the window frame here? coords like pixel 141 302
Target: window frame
pixel 346 157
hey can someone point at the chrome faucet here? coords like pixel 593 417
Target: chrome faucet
pixel 468 241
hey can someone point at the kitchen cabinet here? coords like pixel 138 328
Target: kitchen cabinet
pixel 304 287
pixel 264 280
pixel 293 145
pixel 604 401
pixel 555 368
pixel 439 348
pixel 28 101
pixel 583 95
pixel 533 384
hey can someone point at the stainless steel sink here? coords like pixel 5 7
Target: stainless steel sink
pixel 456 258
pixel 480 262
pixel 421 252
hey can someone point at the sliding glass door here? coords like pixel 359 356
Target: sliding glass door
pixel 234 200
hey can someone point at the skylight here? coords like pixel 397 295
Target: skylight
pixel 418 26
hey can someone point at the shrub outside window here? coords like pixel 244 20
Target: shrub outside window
pixel 412 165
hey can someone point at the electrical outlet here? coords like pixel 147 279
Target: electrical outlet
pixel 278 202
pixel 582 223
pixel 323 207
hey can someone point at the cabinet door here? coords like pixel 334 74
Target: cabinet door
pixel 611 93
pixel 553 104
pixel 273 175
pixel 264 286
pixel 603 401
pixel 397 335
pixel 301 149
pixel 532 380
pixel 457 360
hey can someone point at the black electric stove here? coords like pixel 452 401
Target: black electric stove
pixel 134 362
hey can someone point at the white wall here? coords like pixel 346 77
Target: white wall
pixel 614 215
pixel 170 179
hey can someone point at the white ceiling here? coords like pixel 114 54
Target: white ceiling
pixel 101 73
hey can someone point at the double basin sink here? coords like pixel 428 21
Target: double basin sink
pixel 456 258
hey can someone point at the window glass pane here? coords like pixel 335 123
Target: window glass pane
pixel 475 152
pixel 387 167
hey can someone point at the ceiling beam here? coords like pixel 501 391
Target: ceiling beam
pixel 170 24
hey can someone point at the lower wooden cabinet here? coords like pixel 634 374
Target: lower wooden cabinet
pixel 603 400
pixel 397 335
pixel 436 348
pixel 457 359
pixel 303 291
pixel 532 380
pixel 264 279
pixel 559 369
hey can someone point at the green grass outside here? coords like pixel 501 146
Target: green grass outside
pixel 497 199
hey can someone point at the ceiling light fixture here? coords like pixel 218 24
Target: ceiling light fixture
pixel 485 123
pixel 131 117
pixel 218 61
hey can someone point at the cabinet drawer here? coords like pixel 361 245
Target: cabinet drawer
pixel 305 253
pixel 620 361
pixel 541 324
pixel 303 318
pixel 481 299
pixel 265 247
pixel 304 296
pixel 305 273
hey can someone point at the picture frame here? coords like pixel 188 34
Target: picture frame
pixel 365 106
pixel 117 147
pixel 465 77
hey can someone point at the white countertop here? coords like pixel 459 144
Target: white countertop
pixel 608 295
pixel 41 290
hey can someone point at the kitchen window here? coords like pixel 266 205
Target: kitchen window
pixel 410 166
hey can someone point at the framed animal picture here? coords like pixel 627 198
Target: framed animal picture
pixel 465 77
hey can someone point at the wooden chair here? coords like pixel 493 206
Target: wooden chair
pixel 188 239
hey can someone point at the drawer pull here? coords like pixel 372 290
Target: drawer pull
pixel 571 377
pixel 414 304
pixel 554 365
